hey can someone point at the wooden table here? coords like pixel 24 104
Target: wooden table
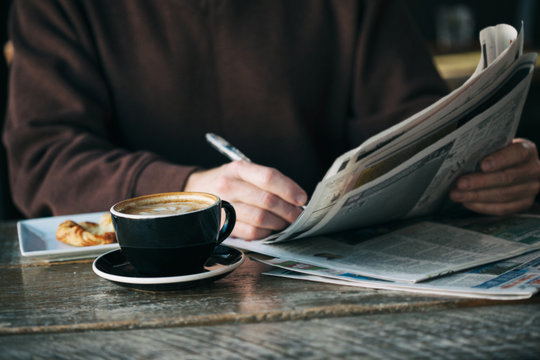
pixel 64 311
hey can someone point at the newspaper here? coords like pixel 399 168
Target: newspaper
pixel 512 279
pixel 406 170
pixel 411 251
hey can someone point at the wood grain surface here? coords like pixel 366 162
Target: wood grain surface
pixel 468 333
pixel 63 310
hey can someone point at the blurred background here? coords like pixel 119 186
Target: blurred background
pixel 453 25
pixel 7 209
pixel 450 28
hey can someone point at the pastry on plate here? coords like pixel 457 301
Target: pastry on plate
pixel 87 233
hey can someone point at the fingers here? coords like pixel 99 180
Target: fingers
pixel 500 209
pixel 255 222
pixel 259 217
pixel 260 213
pixel 263 189
pixel 265 200
pixel 241 193
pixel 497 194
pixel 508 183
pixel 521 173
pixel 519 152
pixel 498 201
pixel 516 163
pixel 272 181
pixel 248 232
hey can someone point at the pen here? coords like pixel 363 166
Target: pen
pixel 224 147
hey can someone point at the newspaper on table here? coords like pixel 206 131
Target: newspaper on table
pixel 511 279
pixel 413 251
pixel 406 170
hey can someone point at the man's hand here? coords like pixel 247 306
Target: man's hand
pixel 508 182
pixel 265 200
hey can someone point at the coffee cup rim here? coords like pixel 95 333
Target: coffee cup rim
pixel 167 194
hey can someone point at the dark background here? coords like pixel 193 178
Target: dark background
pixel 426 13
pixel 7 209
pixel 485 13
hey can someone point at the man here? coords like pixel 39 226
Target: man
pixel 110 100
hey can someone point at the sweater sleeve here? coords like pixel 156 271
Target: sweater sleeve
pixel 58 134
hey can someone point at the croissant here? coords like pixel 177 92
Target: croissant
pixel 87 233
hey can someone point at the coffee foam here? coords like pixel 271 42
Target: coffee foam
pixel 167 208
pixel 166 204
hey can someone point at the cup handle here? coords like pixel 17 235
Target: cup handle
pixel 230 221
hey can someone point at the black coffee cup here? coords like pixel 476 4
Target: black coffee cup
pixel 171 234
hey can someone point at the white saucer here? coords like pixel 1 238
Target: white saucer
pixel 114 267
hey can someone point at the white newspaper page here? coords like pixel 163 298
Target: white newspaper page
pixel 411 254
pixel 385 151
pixel 512 279
pixel 494 40
pixel 419 186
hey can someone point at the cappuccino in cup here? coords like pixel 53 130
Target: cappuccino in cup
pixel 171 234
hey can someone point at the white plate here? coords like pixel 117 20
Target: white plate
pixel 37 239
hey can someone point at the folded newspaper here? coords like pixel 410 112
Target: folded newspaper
pixel 407 170
pixel 366 220
pixel 477 256
pixel 513 279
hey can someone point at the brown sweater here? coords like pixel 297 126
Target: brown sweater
pixel 111 99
